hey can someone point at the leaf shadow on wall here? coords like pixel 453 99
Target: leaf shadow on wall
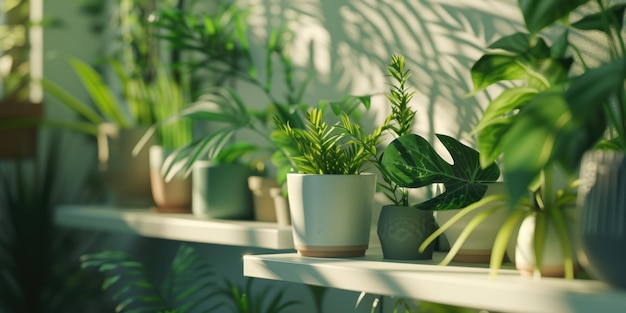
pixel 350 42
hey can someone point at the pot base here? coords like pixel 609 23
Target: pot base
pixel 472 256
pixel 332 251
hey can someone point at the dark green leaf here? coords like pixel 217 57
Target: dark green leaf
pixel 517 43
pixel 493 68
pixel 412 162
pixel 541 13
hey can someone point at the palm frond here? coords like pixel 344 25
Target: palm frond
pixel 127 280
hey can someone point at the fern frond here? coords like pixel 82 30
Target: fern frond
pixel 127 280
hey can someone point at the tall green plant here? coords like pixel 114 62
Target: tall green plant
pixel 398 123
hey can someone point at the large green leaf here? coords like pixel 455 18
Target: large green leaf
pixel 506 103
pixel 541 13
pixel 490 140
pixel 412 162
pixel 100 93
pixel 545 131
pixel 493 68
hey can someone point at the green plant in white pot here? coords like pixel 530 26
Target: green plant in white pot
pixel 561 103
pixel 330 198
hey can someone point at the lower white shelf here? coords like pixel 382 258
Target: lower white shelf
pixel 455 285
pixel 184 227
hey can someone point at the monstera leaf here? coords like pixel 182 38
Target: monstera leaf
pixel 411 161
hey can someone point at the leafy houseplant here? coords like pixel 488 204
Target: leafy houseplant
pixel 409 161
pixel 565 106
pixel 329 185
pixel 190 286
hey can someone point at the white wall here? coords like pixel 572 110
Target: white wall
pixel 348 43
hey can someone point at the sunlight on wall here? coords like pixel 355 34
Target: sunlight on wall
pixel 348 44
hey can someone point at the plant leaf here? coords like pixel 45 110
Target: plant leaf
pixel 493 68
pixel 412 162
pixel 540 13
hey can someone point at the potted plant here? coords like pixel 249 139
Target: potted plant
pixel 330 198
pixel 401 228
pixel 412 162
pixel 231 115
pixel 168 98
pixel 563 108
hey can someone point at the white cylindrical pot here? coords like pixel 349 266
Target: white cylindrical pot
pixel 331 214
pixel 552 255
pixel 478 246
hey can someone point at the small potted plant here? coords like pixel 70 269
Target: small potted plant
pixel 330 198
pixel 401 228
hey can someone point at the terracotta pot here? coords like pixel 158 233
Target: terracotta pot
pixel 331 214
pixel 172 196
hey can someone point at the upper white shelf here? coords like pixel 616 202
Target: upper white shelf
pixel 184 227
pixel 455 285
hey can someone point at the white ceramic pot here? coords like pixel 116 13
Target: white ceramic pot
pixel 552 255
pixel 331 214
pixel 173 196
pixel 478 246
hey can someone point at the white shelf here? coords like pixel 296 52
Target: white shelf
pixel 184 227
pixel 455 285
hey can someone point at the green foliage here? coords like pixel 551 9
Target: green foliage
pixel 38 265
pixel 187 287
pixel 410 161
pixel 319 148
pixel 399 123
pixel 191 285
pixel 217 39
pixel 220 40
pixel 244 300
pixel 553 116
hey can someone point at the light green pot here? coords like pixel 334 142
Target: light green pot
pixel 221 191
